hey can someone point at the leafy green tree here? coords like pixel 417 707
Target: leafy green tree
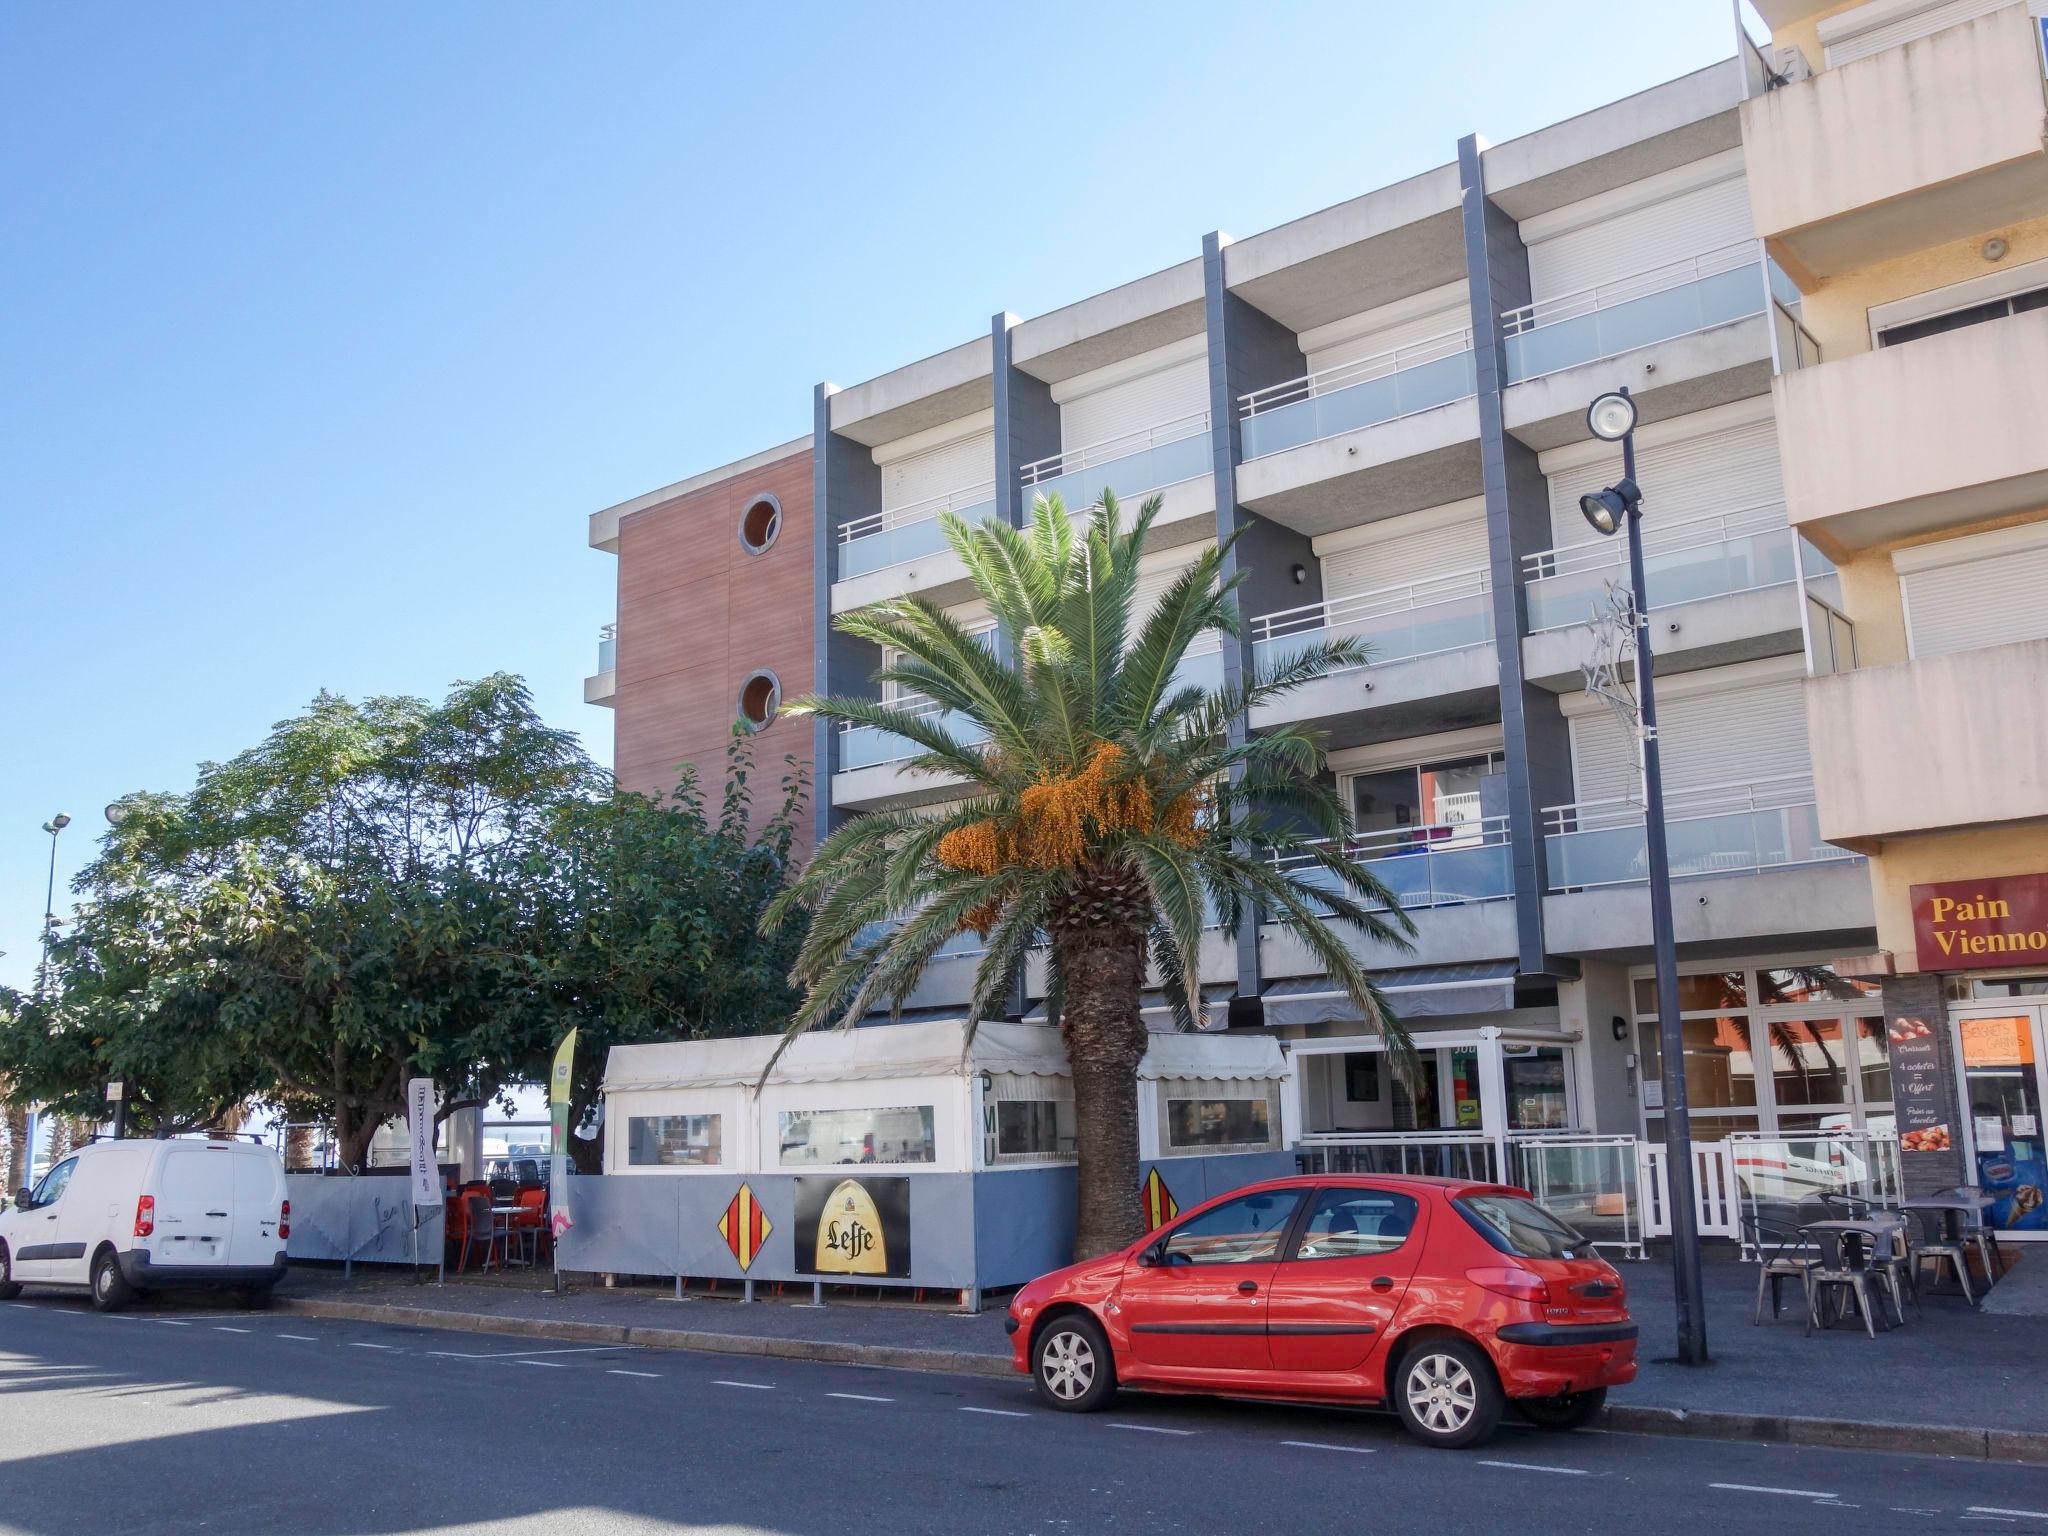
pixel 1108 812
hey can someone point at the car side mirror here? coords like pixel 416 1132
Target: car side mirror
pixel 1149 1257
pixel 23 1199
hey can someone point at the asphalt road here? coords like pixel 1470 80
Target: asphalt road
pixel 186 1417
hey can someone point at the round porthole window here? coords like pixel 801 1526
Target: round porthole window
pixel 760 523
pixel 760 698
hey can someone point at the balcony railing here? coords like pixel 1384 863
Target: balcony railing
pixel 896 534
pixel 1418 618
pixel 1793 346
pixel 1830 637
pixel 1666 302
pixel 607 647
pixel 1735 551
pixel 1130 465
pixel 1361 393
pixel 1438 866
pixel 1723 829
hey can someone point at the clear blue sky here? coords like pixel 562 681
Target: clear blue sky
pixel 325 326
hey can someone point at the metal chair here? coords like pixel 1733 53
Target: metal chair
pixel 478 1231
pixel 1840 1269
pixel 1934 1244
pixel 1774 1242
pixel 1982 1234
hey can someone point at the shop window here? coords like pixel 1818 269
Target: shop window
pixel 1720 1071
pixel 1811 984
pixel 1033 1130
pixel 1697 994
pixel 815 1138
pixel 1356 1224
pixel 1246 1230
pixel 1809 1061
pixel 1533 1078
pixel 760 524
pixel 1206 1124
pixel 672 1141
pixel 760 698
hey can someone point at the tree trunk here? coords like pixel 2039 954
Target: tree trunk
pixel 298 1148
pixel 13 1147
pixel 1104 971
pixel 60 1139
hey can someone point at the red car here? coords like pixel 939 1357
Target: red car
pixel 1451 1299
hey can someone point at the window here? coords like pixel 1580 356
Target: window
pixel 1356 1223
pixel 1956 319
pixel 1811 984
pixel 760 524
pixel 1246 1230
pixel 1720 1071
pixel 1450 797
pixel 1362 1077
pixel 1697 994
pixel 1533 1079
pixel 673 1141
pixel 760 698
pixel 819 1137
pixel 1033 1129
pixel 51 1190
pixel 1225 1115
pixel 1520 1227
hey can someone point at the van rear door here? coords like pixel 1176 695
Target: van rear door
pixel 195 1204
pixel 259 1192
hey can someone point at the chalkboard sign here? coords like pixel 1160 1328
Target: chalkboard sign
pixel 1923 1107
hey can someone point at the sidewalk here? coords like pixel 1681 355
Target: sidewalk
pixel 1952 1382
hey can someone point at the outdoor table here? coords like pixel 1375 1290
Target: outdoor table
pixel 502 1232
pixel 1953 1208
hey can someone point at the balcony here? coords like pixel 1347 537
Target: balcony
pixel 602 686
pixel 1132 465
pixel 864 746
pixel 1663 304
pixel 1916 438
pixel 1420 618
pixel 1901 150
pixel 897 534
pixel 1422 867
pixel 1924 746
pixel 1703 557
pixel 1361 393
pixel 1724 829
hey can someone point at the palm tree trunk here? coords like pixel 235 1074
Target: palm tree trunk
pixel 13 1147
pixel 1104 969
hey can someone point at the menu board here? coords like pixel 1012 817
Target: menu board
pixel 1923 1108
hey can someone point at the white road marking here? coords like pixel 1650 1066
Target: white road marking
pixel 223 1328
pixel 1531 1466
pixel 520 1354
pixel 860 1397
pixel 303 1338
pixel 751 1386
pixel 1151 1429
pixel 546 1365
pixel 1000 1413
pixel 2024 1514
pixel 170 1322
pixel 353 1344
pixel 1790 1493
pixel 644 1375
pixel 1317 1445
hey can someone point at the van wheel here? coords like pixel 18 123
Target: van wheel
pixel 110 1288
pixel 8 1288
pixel 1568 1410
pixel 1071 1365
pixel 255 1298
pixel 1447 1394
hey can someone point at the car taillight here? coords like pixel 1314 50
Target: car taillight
pixel 1520 1284
pixel 145 1215
pixel 284 1219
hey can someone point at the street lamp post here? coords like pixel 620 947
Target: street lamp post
pixel 1612 417
pixel 53 826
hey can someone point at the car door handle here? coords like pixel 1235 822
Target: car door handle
pixel 1247 1287
pixel 1383 1282
pixel 219 1215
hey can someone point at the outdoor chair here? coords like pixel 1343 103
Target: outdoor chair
pixel 477 1232
pixel 1890 1256
pixel 1935 1246
pixel 1775 1243
pixel 1983 1234
pixel 1841 1272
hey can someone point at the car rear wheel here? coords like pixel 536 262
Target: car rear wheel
pixel 1447 1394
pixel 255 1298
pixel 1568 1410
pixel 9 1289
pixel 110 1288
pixel 1071 1365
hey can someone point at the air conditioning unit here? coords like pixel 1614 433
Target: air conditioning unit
pixel 1789 65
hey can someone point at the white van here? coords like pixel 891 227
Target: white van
pixel 126 1217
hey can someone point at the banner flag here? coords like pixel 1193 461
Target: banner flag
pixel 558 1116
pixel 419 1114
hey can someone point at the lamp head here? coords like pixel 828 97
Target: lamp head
pixel 1607 510
pixel 1612 416
pixel 56 824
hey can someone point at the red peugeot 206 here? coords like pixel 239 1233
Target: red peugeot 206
pixel 1449 1299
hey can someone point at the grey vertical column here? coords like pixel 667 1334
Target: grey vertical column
pixel 1027 421
pixel 1248 350
pixel 845 484
pixel 1517 523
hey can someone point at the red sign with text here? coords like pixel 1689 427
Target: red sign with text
pixel 1963 925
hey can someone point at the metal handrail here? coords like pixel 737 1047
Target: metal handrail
pixel 1333 613
pixel 890 519
pixel 1803 338
pixel 1441 837
pixel 1776 793
pixel 1380 365
pixel 1038 471
pixel 1674 274
pixel 1395 1138
pixel 1659 538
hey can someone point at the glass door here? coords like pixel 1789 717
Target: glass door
pixel 2000 1056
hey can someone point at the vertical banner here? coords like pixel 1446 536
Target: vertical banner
pixel 558 1118
pixel 419 1114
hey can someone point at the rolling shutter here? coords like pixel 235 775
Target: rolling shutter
pixel 1406 552
pixel 1641 239
pixel 1723 736
pixel 1151 400
pixel 1725 471
pixel 1372 339
pixel 1985 591
pixel 1850 44
pixel 923 477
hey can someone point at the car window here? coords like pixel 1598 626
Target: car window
pixel 1517 1225
pixel 1356 1223
pixel 51 1190
pixel 1246 1230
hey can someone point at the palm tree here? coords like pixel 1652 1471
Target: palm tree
pixel 1109 815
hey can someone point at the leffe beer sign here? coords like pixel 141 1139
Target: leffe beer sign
pixel 1963 925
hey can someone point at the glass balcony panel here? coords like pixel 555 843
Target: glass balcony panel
pixel 1393 636
pixel 1129 475
pixel 1740 564
pixel 1423 875
pixel 1364 404
pixel 908 541
pixel 1671 312
pixel 607 654
pixel 866 747
pixel 1732 842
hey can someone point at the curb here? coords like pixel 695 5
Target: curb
pixel 2024 1446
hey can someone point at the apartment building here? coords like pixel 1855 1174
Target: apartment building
pixel 1385 401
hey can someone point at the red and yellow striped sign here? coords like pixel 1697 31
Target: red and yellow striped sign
pixel 1157 1199
pixel 745 1227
